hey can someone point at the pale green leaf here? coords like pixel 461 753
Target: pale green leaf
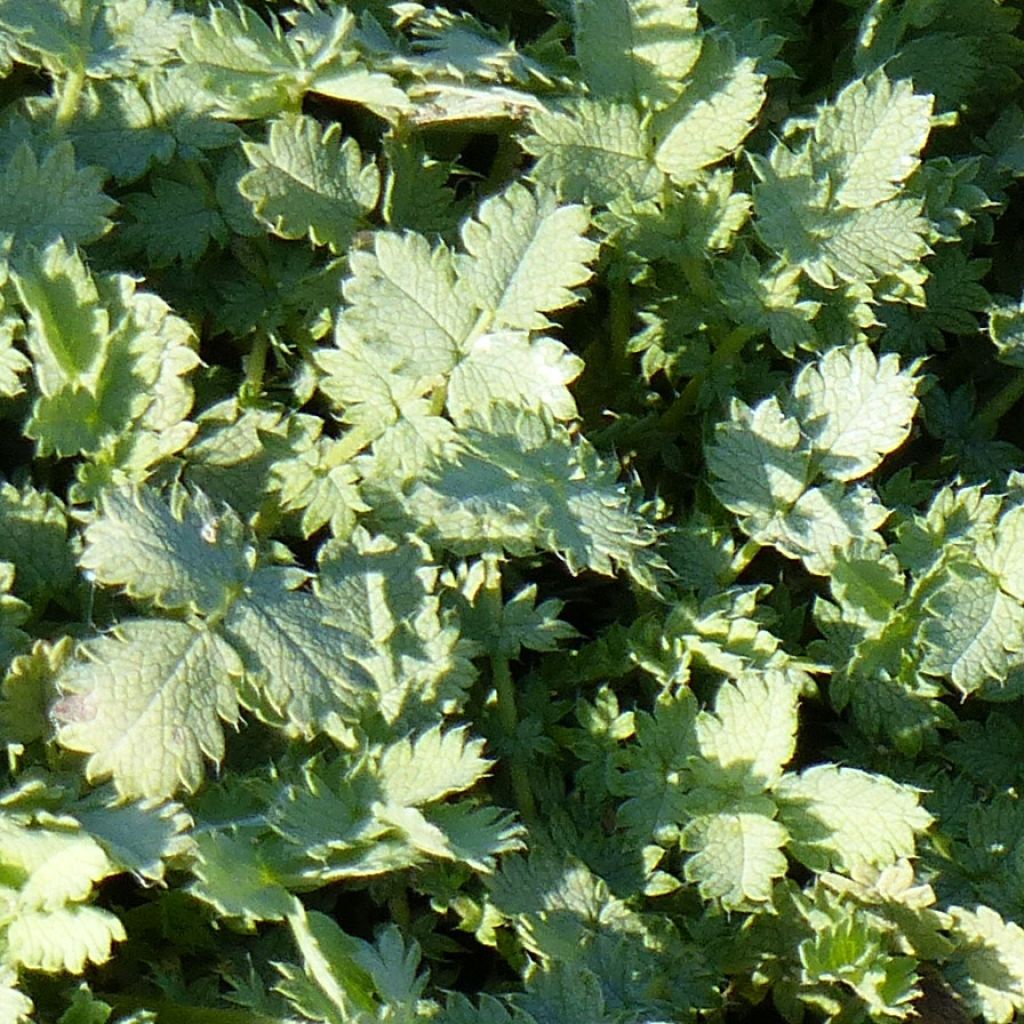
pixel 403 295
pixel 870 139
pixel 845 817
pixel 52 867
pixel 13 363
pixel 752 733
pixel 28 691
pixel 459 1010
pixel 374 90
pixel 15 1006
pixel 305 181
pixel 987 968
pixel 237 446
pixel 1002 554
pixel 826 524
pixel 714 115
pixel 189 554
pixel 636 50
pixel 247 66
pixel 69 327
pixel 525 256
pixel 593 151
pixel 523 484
pixel 384 592
pixel 758 463
pixel 419 771
pixel 736 855
pixel 507 367
pixel 855 409
pixel 320 485
pixel 145 702
pixel 63 940
pixel 971 631
pixel 328 957
pixel 97 37
pixel 1006 329
pixel 304 669
pixel 868 244
pixel 109 359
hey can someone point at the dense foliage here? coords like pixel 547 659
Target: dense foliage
pixel 510 514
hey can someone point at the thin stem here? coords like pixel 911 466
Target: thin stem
pixel 501 676
pixel 70 95
pixel 169 1012
pixel 728 349
pixel 621 316
pixel 746 554
pixel 1002 401
pixel 255 365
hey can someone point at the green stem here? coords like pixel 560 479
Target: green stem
pixel 70 95
pixel 727 350
pixel 501 676
pixel 255 365
pixel 1002 401
pixel 169 1012
pixel 620 314
pixel 746 554
pixel 400 911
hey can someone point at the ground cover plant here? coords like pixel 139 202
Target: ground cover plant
pixel 511 513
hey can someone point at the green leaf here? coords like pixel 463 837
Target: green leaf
pixel 73 205
pixel 175 222
pixel 305 181
pixel 140 837
pixel 145 702
pixel 234 877
pixel 34 537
